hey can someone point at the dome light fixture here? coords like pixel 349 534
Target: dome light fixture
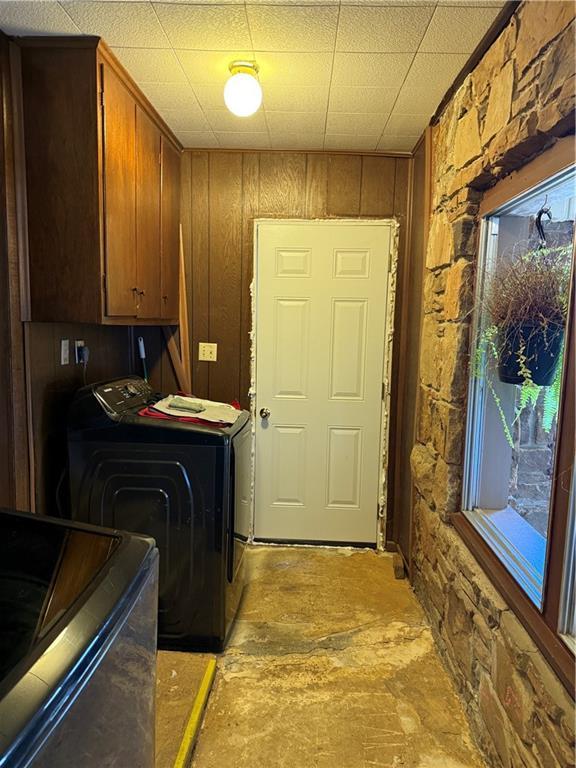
pixel 242 92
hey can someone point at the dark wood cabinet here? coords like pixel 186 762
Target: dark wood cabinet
pixel 148 244
pixel 103 187
pixel 170 232
pixel 119 204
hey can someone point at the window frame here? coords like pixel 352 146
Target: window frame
pixel 544 624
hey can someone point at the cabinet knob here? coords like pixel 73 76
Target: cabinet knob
pixel 165 298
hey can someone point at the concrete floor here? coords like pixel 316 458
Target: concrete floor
pixel 178 678
pixel 331 665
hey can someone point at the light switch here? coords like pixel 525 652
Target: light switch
pixel 64 351
pixel 207 351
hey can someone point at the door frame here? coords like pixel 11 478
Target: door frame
pixel 389 333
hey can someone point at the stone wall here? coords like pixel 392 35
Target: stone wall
pixel 516 103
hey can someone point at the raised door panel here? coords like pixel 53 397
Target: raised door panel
pixel 119 141
pixel 170 207
pixel 291 345
pixel 348 340
pixel 344 467
pixel 147 217
pixel 289 466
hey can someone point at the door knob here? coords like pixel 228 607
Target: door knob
pixel 264 413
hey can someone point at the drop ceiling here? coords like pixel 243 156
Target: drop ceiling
pixel 356 75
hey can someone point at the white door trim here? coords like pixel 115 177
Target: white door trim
pixel 386 373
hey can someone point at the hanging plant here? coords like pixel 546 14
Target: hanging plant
pixel 526 305
pixel 527 300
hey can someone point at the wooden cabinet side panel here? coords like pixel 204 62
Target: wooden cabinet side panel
pixel 170 200
pixel 147 216
pixel 61 145
pixel 119 168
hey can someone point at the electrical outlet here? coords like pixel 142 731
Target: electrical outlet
pixel 64 351
pixel 78 345
pixel 207 351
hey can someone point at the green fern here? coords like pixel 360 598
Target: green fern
pixel 551 400
pixel 486 359
pixel 507 432
pixel 529 394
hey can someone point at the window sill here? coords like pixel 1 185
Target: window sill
pixel 518 546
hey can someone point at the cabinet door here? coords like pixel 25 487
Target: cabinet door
pixel 119 127
pixel 147 216
pixel 170 229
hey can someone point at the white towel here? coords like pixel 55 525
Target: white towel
pixel 212 410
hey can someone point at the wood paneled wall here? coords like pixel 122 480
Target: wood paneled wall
pixel 222 193
pixel 14 468
pixel 409 325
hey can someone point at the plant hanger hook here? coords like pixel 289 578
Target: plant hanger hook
pixel 544 211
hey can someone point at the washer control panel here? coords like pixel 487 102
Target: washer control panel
pixel 124 395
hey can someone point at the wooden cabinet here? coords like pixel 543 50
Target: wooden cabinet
pixel 148 241
pixel 119 204
pixel 103 186
pixel 170 234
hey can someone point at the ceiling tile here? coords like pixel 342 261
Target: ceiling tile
pixel 349 98
pixel 186 120
pixel 33 18
pixel 297 28
pixel 430 76
pixel 389 2
pixel 294 122
pixel 295 98
pixel 210 96
pixel 287 69
pixel 397 143
pixel 154 65
pixel 351 142
pixel 365 123
pixel 457 29
pixel 196 140
pixel 170 95
pixel 120 24
pixel 382 29
pixel 485 3
pixel 408 125
pixel 205 27
pixel 297 140
pixel 288 2
pixel 373 69
pixel 201 2
pixel 257 140
pixel 209 67
pixel 224 121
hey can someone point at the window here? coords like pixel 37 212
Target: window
pixel 518 501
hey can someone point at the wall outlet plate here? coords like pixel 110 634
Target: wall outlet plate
pixel 64 351
pixel 78 344
pixel 207 351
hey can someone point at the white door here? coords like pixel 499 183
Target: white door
pixel 322 289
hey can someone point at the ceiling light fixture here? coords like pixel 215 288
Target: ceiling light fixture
pixel 242 92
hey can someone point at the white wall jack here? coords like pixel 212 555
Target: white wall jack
pixel 64 351
pixel 208 352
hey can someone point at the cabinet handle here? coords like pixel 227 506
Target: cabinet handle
pixel 137 294
pixel 164 299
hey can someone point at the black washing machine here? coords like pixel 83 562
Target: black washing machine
pixel 187 485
